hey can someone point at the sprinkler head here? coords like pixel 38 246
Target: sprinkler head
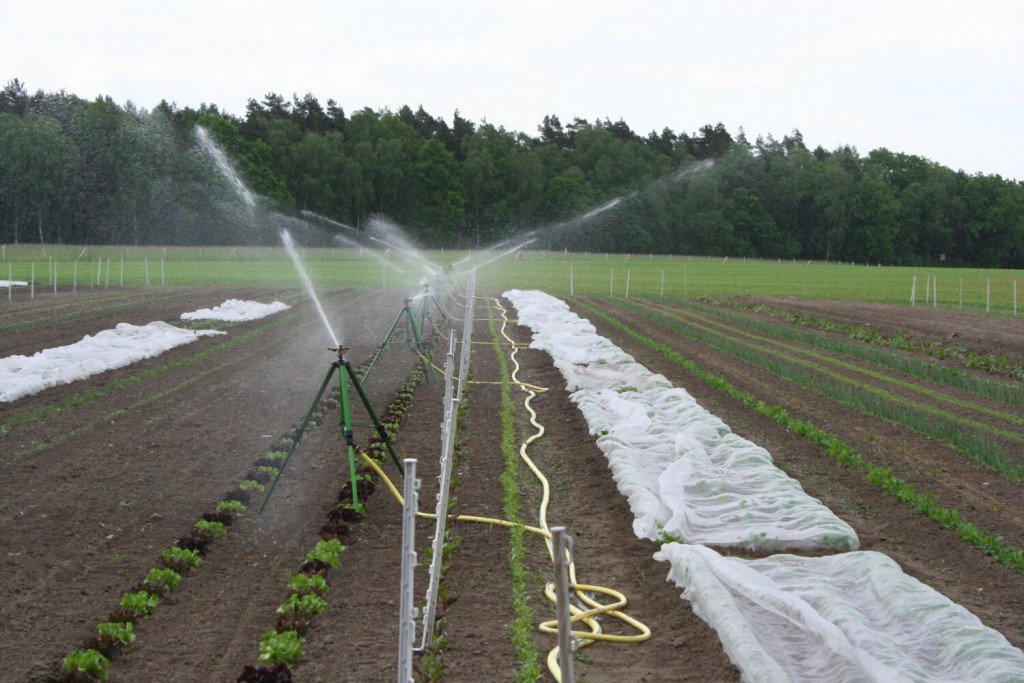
pixel 341 350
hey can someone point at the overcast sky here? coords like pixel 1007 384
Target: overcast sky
pixel 940 79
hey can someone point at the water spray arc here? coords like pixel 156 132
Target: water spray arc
pixel 347 378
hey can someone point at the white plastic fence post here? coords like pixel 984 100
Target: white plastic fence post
pixel 55 264
pixel 10 280
pixel 407 613
pixel 611 282
pixel 444 480
pixel 913 289
pixel 122 271
pixel 74 277
pixel 566 640
pixel 32 288
pixel 145 261
pixel 961 293
pixel 628 272
pixel 162 272
pixel 935 292
pixel 571 293
pixel 663 284
pixel 108 273
pixel 988 295
pixel 1014 298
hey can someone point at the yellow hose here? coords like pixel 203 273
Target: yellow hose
pixel 582 591
pixel 588 616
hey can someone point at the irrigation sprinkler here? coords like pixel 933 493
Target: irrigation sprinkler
pixel 344 380
pixel 413 338
pixel 422 301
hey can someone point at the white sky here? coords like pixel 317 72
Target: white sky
pixel 936 78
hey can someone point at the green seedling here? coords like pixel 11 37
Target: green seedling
pixel 280 648
pixel 182 556
pixel 309 583
pixel 276 455
pixel 90 662
pixel 252 485
pixel 142 602
pixel 328 552
pixel 267 469
pixel 235 506
pixel 311 603
pixel 122 632
pixel 215 528
pixel 167 577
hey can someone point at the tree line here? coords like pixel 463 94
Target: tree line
pixel 95 172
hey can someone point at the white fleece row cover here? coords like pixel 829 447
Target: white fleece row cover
pixel 847 617
pixel 109 349
pixel 236 310
pixel 684 472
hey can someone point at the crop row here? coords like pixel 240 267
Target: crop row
pixel 280 648
pixel 982 440
pixel 996 364
pixel 904 491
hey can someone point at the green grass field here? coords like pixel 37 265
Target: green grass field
pixel 561 274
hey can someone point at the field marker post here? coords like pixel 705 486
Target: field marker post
pixel 145 261
pixel 444 484
pixel 122 271
pixel 162 272
pixel 611 282
pixel 927 289
pixel 570 281
pixel 913 289
pixel 663 284
pixel 108 273
pixel 988 295
pixel 55 264
pixel 628 272
pixel 32 288
pixel 407 612
pixel 935 292
pixel 566 640
pixel 74 277
pixel 10 281
pixel 961 293
pixel 1014 298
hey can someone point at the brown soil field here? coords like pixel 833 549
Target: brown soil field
pixel 97 477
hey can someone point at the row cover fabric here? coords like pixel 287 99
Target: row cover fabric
pixel 106 350
pixel 848 617
pixel 686 475
pixel 236 310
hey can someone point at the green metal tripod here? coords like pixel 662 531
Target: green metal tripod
pixel 413 338
pixel 345 425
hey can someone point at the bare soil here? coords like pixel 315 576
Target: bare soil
pixel 92 491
